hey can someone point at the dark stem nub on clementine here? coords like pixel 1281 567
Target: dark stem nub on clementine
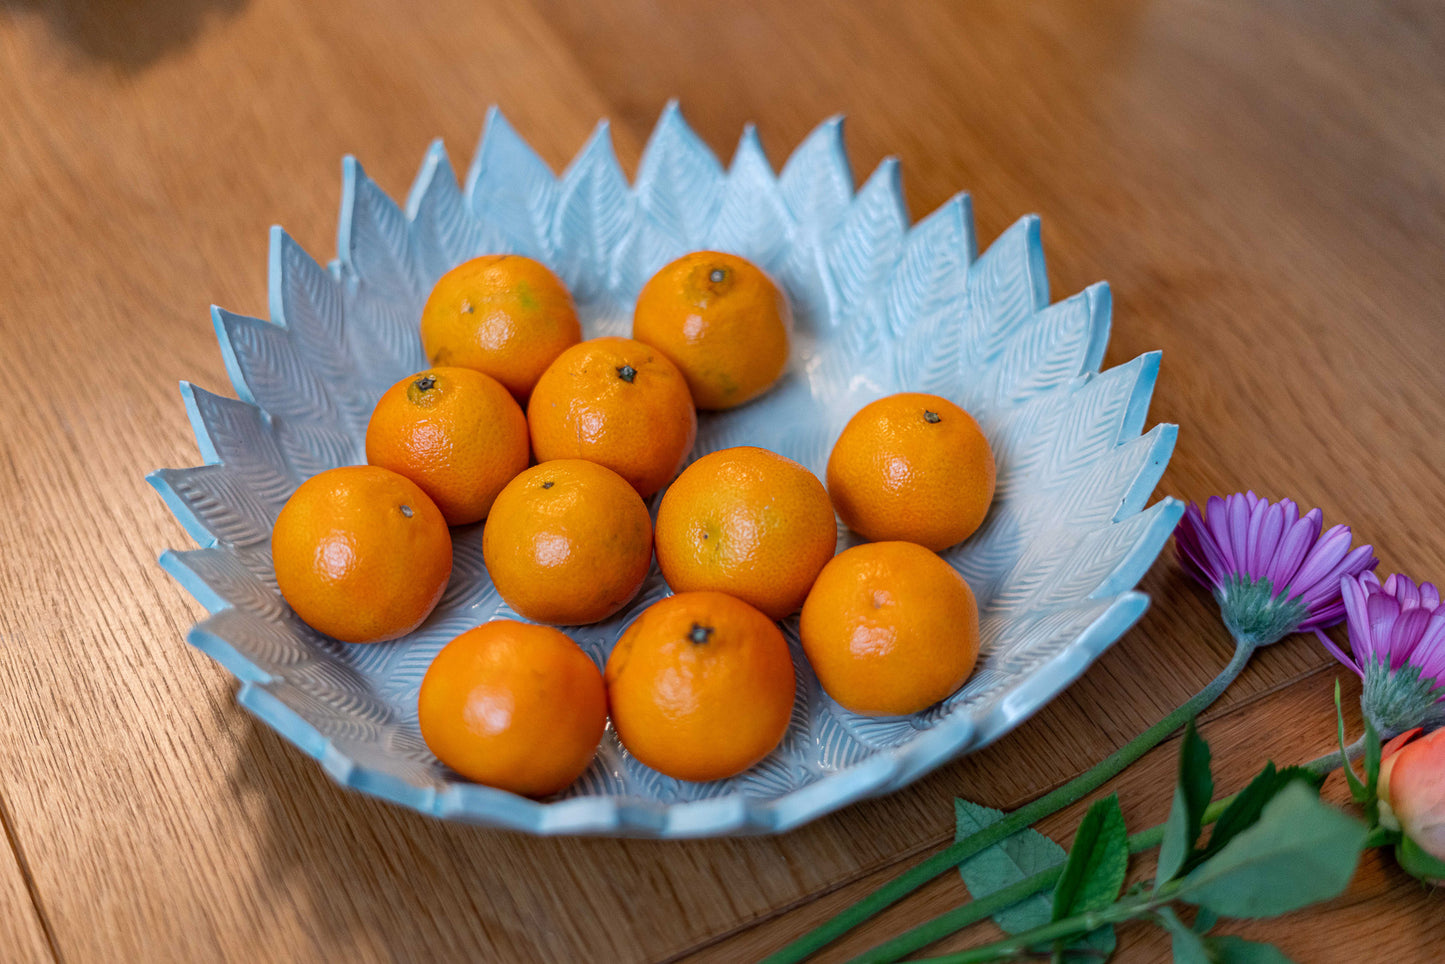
pixel 406 511
pixel 627 373
pixel 425 383
pixel 699 634
pixel 548 484
pixel 931 417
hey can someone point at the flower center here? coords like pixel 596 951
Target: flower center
pixel 1396 700
pixel 1254 614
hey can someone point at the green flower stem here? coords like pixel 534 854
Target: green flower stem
pixel 1330 762
pixel 1025 816
pixel 957 919
pixel 1058 930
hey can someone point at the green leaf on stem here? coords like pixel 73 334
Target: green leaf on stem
pixel 1372 773
pixel 1358 793
pixel 1300 851
pixel 1243 812
pixel 1098 862
pixel 1190 947
pixel 1006 863
pixel 1237 950
pixel 1098 944
pixel 1186 815
pixel 1417 862
pixel 1205 920
pixel 1187 946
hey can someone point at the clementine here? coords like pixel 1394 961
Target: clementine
pixel 568 542
pixel 890 628
pixel 700 686
pixel 913 467
pixel 456 433
pixel 618 403
pixel 502 314
pixel 361 553
pixel 721 320
pixel 514 706
pixel 748 522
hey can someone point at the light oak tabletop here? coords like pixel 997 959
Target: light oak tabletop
pixel 1261 181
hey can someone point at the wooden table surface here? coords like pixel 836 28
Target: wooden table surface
pixel 1262 182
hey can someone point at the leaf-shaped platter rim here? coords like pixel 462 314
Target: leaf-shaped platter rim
pixel 889 767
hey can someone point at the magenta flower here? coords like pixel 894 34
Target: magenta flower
pixel 1270 570
pixel 1397 637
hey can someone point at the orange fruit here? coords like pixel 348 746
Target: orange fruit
pixel 721 320
pixel 502 314
pixel 361 553
pixel 913 467
pixel 618 403
pixel 514 706
pixel 890 628
pixel 456 433
pixel 747 522
pixel 568 542
pixel 700 686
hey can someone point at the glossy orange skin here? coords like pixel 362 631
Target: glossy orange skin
pixel 890 629
pixel 568 542
pixel 912 467
pixel 747 522
pixel 514 706
pixel 700 686
pixel 455 432
pixel 361 554
pixel 619 403
pixel 721 320
pixel 501 314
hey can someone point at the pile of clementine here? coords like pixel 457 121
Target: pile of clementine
pixel 556 442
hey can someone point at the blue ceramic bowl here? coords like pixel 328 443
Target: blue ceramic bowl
pixel 881 306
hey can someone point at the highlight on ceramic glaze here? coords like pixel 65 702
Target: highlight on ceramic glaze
pixel 880 306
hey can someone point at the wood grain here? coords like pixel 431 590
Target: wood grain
pixel 1261 182
pixel 22 935
pixel 1292 725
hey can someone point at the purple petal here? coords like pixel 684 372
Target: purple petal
pixel 1382 610
pixel 1328 587
pixel 1264 540
pixel 1338 654
pixel 1408 594
pixel 1298 539
pixel 1406 635
pixel 1356 605
pixel 1239 537
pixel 1195 543
pixel 1218 559
pixel 1322 559
pixel 1216 514
pixel 1434 634
pixel 1324 617
pixel 1429 657
pixel 1429 595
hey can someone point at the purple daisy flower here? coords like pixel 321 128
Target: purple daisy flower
pixel 1270 570
pixel 1397 637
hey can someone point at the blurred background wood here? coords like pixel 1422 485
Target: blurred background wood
pixel 1262 182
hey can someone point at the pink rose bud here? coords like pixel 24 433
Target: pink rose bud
pixel 1412 800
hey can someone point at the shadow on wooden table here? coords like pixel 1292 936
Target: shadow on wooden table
pixel 129 34
pixel 351 873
